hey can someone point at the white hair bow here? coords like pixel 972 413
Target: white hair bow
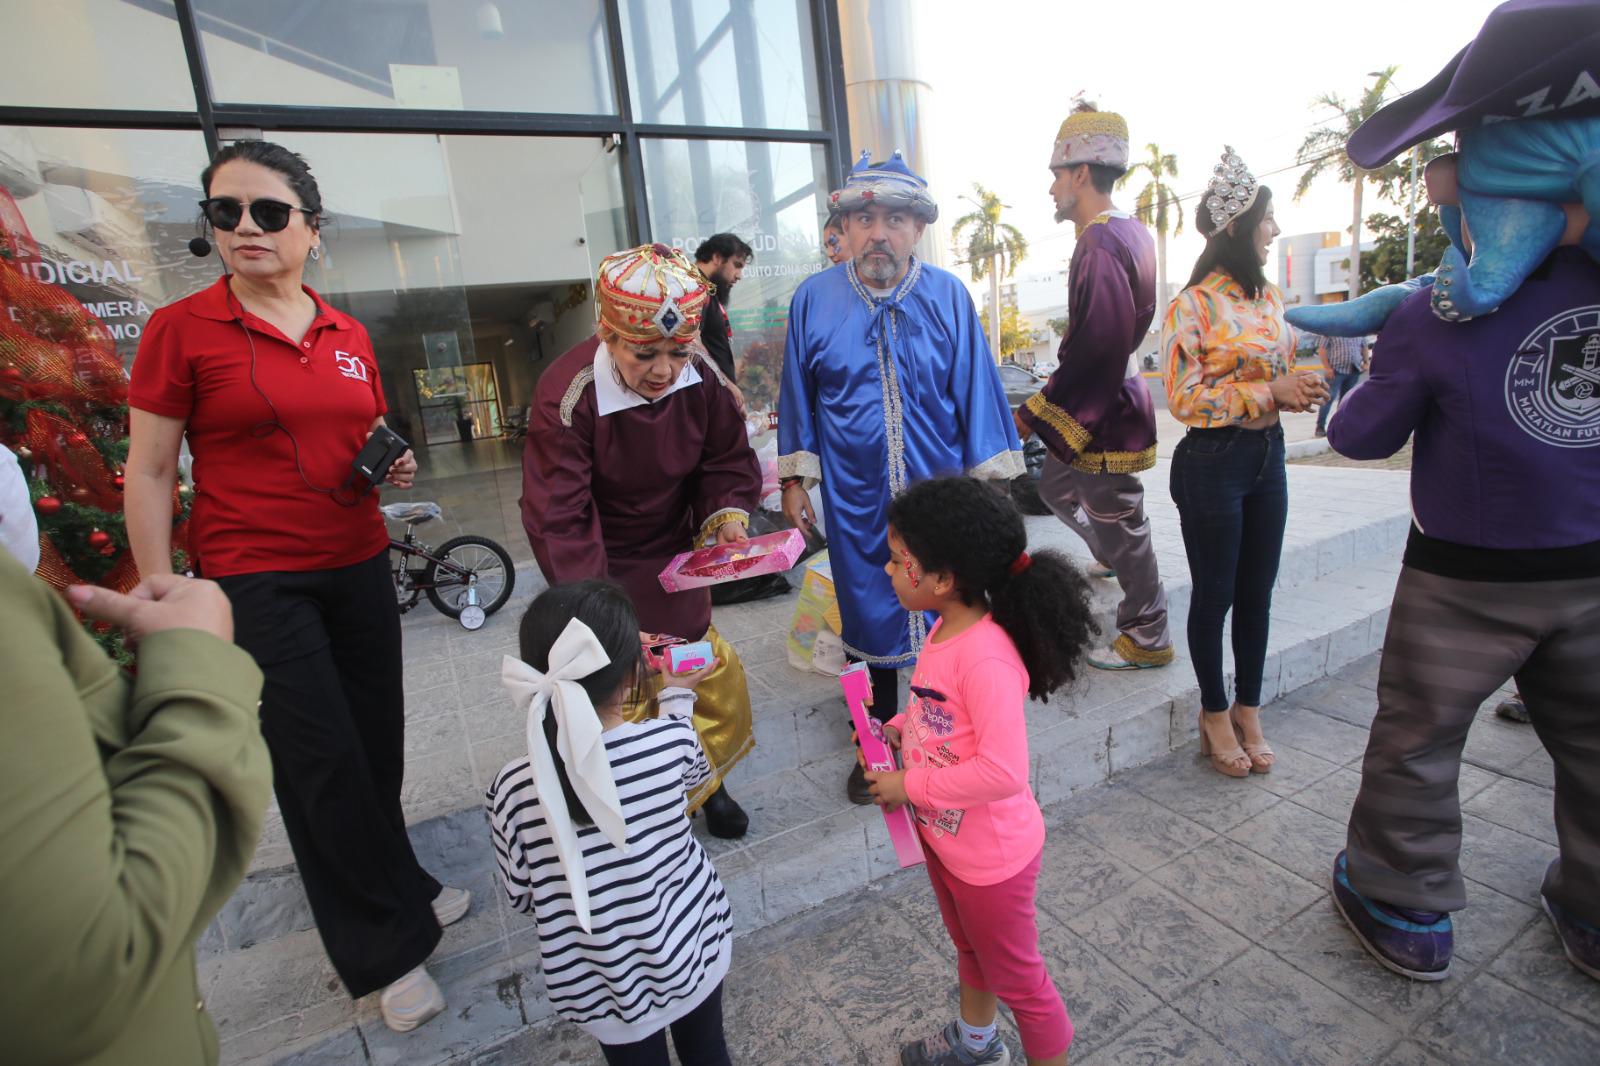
pixel 576 654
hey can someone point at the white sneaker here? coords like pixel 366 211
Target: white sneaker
pixel 451 904
pixel 410 1001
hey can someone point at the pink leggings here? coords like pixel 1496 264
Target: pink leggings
pixel 998 946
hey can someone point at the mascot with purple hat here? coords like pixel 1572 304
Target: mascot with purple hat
pixel 1491 365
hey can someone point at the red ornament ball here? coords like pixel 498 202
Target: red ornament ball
pixel 11 374
pixel 100 539
pixel 108 550
pixel 119 481
pixel 48 505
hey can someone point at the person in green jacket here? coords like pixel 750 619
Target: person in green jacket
pixel 130 805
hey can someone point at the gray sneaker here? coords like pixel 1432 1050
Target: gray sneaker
pixel 946 1049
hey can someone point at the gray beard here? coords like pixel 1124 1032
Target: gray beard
pixel 877 275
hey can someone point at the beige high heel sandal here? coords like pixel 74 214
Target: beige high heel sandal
pixel 1261 755
pixel 1225 762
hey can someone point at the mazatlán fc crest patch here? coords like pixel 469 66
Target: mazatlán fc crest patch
pixel 1553 384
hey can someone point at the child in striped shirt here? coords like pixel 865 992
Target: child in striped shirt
pixel 593 843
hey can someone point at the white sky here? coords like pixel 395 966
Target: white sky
pixel 1188 76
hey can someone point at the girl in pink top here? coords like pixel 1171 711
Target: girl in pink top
pixel 1010 626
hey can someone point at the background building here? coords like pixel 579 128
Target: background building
pixel 1314 268
pixel 477 159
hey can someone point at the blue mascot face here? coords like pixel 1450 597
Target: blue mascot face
pixel 1525 100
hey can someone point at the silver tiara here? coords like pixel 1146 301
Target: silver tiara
pixel 1231 192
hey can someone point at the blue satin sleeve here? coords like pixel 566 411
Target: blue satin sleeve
pixel 991 447
pixel 799 455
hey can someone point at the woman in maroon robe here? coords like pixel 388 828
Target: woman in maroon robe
pixel 636 451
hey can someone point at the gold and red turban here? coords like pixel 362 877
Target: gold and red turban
pixel 651 293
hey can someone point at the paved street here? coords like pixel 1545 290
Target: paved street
pixel 1186 918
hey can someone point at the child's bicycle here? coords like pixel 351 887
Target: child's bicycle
pixel 467 578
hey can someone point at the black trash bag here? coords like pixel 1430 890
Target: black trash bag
pixel 764 586
pixel 1025 487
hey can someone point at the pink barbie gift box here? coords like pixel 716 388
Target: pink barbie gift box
pixel 771 553
pixel 876 754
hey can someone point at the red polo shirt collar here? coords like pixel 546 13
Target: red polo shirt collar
pixel 217 302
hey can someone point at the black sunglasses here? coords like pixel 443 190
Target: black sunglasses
pixel 225 213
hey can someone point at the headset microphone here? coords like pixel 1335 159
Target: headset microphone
pixel 199 247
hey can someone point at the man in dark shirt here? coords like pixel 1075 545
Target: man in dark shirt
pixel 721 258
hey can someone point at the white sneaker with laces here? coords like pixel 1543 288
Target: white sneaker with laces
pixel 410 1001
pixel 451 904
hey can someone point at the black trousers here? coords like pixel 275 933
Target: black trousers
pixel 333 715
pixel 1233 504
pixel 697 1036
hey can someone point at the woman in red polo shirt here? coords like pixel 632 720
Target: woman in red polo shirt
pixel 277 392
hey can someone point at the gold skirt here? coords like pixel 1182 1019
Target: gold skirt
pixel 721 714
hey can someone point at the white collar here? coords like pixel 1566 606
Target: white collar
pixel 610 397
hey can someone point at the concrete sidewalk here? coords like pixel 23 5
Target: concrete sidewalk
pixel 274 995
pixel 1186 918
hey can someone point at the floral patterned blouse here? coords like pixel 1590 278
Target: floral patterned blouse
pixel 1220 348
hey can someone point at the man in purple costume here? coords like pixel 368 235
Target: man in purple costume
pixel 1502 567
pixel 1094 414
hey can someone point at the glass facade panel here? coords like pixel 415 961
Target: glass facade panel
pixel 94 53
pixel 748 63
pixel 774 196
pixel 545 56
pixel 467 258
pixel 104 217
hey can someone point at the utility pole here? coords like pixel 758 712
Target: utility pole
pixel 994 303
pixel 1411 218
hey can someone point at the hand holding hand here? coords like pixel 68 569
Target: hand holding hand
pixel 161 601
pixel 1298 390
pixel 797 507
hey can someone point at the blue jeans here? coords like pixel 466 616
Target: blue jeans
pixel 1233 502
pixel 1340 386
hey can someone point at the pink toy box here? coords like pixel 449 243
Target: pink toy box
pixel 876 753
pixel 771 553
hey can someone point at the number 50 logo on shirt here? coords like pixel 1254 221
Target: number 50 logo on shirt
pixel 351 366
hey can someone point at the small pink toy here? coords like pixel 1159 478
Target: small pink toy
pixel 875 752
pixel 687 658
pixel 771 553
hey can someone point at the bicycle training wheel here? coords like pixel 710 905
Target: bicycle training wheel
pixel 460 560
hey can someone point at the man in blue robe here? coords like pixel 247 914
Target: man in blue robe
pixel 887 380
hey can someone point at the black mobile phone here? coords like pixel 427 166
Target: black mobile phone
pixel 372 463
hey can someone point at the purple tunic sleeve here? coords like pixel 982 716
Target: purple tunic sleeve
pixel 1093 355
pixel 1376 418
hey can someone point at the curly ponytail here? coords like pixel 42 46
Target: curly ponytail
pixel 959 526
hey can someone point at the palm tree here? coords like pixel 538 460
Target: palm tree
pixel 1323 150
pixel 993 247
pixel 1157 206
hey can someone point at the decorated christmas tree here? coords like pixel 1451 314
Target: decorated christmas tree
pixel 64 412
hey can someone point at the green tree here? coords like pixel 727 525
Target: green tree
pixel 1015 333
pixel 1058 326
pixel 1386 265
pixel 1323 152
pixel 1157 206
pixel 993 249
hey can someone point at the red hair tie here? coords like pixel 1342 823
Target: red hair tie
pixel 1019 564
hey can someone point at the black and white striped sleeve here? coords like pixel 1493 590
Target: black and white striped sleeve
pixel 507 851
